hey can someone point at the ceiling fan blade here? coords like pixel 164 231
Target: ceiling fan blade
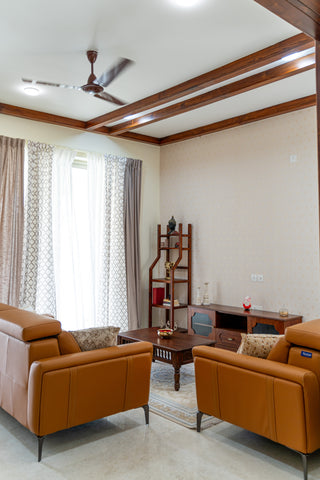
pixel 50 84
pixel 106 78
pixel 109 98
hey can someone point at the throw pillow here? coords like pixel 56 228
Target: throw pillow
pixel 96 337
pixel 257 344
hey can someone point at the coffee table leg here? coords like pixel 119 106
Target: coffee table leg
pixel 177 378
pixel 176 365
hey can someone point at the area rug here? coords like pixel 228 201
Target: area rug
pixel 179 407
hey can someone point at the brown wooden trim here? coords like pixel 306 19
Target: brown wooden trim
pixel 243 65
pixel 44 117
pixel 246 84
pixel 138 137
pixel 269 112
pixel 303 14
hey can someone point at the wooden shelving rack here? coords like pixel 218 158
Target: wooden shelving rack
pixel 180 255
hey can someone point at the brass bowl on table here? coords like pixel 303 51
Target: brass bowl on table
pixel 165 332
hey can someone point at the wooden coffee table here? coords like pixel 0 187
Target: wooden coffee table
pixel 176 350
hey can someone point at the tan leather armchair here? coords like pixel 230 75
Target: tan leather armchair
pixel 48 384
pixel 277 397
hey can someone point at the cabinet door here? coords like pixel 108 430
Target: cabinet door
pixel 201 322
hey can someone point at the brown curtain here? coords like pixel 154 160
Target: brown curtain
pixel 11 218
pixel 132 195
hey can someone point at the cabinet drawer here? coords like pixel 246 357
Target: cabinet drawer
pixel 229 339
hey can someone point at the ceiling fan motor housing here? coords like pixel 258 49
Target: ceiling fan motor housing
pixel 92 88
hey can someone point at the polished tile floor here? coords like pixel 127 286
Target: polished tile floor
pixel 122 447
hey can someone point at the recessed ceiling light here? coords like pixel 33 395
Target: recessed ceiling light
pixel 33 91
pixel 186 3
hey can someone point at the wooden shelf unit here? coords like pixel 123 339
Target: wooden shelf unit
pixel 224 324
pixel 177 254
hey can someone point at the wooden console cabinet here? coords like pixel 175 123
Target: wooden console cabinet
pixel 225 324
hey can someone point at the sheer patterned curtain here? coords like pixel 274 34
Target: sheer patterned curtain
pixel 38 283
pixel 114 306
pixel 11 218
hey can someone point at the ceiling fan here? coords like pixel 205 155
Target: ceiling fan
pixel 94 86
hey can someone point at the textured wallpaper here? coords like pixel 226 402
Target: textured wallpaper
pixel 251 195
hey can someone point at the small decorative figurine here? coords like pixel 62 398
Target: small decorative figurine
pixel 247 303
pixel 172 225
pixel 168 266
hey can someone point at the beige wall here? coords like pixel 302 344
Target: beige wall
pixel 252 211
pixel 149 154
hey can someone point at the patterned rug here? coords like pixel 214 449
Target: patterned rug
pixel 181 406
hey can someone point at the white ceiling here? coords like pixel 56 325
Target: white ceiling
pixel 48 41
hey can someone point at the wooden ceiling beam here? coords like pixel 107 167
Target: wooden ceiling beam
pixel 241 86
pixel 251 117
pixel 138 137
pixel 303 14
pixel 60 121
pixel 241 66
pixel 44 117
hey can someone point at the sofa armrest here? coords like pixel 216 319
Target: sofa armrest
pixel 80 387
pixel 254 364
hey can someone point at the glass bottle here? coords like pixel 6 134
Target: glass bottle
pixel 206 300
pixel 198 297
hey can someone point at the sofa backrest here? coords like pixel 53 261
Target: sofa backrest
pixel 305 346
pixel 300 347
pixel 24 337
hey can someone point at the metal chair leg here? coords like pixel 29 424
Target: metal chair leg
pixel 40 444
pixel 199 418
pixel 304 458
pixel 146 413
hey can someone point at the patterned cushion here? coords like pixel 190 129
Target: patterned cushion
pixel 257 344
pixel 96 337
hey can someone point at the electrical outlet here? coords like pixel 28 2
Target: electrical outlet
pixel 256 307
pixel 253 277
pixel 260 277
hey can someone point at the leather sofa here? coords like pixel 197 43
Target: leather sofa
pixel 48 384
pixel 277 397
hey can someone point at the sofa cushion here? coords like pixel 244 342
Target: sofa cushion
pixel 96 337
pixel 257 344
pixel 27 326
